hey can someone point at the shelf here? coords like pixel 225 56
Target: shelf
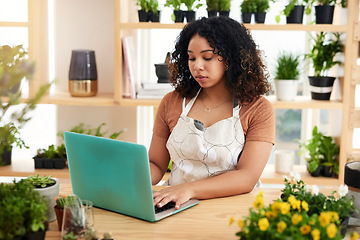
pixel 305 102
pixel 269 176
pixel 101 99
pixel 264 27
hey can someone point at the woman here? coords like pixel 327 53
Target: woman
pixel 216 126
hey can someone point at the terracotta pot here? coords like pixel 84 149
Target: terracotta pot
pixel 59 216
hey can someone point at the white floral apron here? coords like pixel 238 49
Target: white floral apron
pixel 198 152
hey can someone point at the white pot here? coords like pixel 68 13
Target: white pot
pixel 284 160
pixel 286 90
pixel 50 194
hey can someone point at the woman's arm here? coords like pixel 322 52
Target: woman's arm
pixel 159 158
pixel 241 180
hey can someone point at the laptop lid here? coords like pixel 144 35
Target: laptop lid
pixel 114 175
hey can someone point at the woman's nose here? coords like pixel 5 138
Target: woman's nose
pixel 198 65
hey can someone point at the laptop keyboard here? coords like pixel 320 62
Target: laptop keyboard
pixel 165 207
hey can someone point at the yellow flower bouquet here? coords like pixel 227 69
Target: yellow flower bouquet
pixel 300 213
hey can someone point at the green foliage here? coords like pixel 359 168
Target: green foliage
pixel 174 4
pixel 287 66
pixel 290 6
pixel 323 53
pixel 248 6
pixel 192 5
pixel 14 66
pixel 148 5
pixel 261 5
pixel 39 181
pixel 86 129
pixel 212 5
pixel 23 210
pixel 224 5
pixel 52 152
pixel 320 150
pixel 63 200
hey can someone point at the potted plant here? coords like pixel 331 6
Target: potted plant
pixel 260 13
pixel 23 212
pixel 324 10
pixel 14 66
pixel 191 6
pixel 48 187
pixel 321 152
pixel 287 76
pixel 322 55
pixel 51 157
pixel 294 11
pixel 212 7
pixel 148 10
pixel 62 201
pixel 224 7
pixel 247 8
pixel 301 212
pixel 178 14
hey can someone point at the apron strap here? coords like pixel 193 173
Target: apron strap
pixel 187 108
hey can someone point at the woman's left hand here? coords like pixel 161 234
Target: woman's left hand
pixel 179 194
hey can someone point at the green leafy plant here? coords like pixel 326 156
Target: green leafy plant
pixel 212 5
pixel 15 66
pixel 52 152
pixel 224 5
pixel 323 53
pixel 291 5
pixel 320 150
pixel 23 210
pixel 192 5
pixel 66 200
pixel 248 6
pixel 298 214
pixel 262 5
pixel 39 181
pixel 97 131
pixel 148 5
pixel 287 66
pixel 174 4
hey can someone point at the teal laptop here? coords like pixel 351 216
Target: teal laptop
pixel 114 175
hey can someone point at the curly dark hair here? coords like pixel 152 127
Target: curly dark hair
pixel 247 75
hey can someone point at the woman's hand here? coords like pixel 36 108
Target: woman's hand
pixel 179 194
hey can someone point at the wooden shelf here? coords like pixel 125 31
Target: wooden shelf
pixel 305 102
pixel 269 176
pixel 258 27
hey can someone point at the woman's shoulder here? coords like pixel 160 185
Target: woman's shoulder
pixel 259 103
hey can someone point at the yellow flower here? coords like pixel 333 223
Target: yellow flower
pixel 231 220
pixel 315 234
pixel 285 208
pixel 281 226
pixel 240 223
pixel 324 219
pixel 334 216
pixel 259 201
pixel 305 206
pixel 305 229
pixel 354 236
pixel 296 218
pixel 270 214
pixel 331 230
pixel 263 224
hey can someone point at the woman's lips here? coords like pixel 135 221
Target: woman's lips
pixel 200 78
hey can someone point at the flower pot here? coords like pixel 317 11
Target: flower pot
pixel 48 164
pixel 317 172
pixel 286 90
pixel 59 163
pixel 190 16
pixel 296 15
pixel 143 16
pixel 39 162
pixel 6 158
pixel 59 212
pixel 327 171
pixel 260 17
pixel 246 17
pixel 50 193
pixel 224 13
pixel 212 13
pixel 324 14
pixel 162 72
pixel 321 87
pixel 352 180
pixel 154 17
pixel 179 16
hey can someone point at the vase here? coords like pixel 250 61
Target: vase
pixel 296 15
pixel 324 14
pixel 321 87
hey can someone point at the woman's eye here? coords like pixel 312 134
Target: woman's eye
pixel 191 59
pixel 208 59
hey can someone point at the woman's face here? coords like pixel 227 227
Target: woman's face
pixel 207 68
